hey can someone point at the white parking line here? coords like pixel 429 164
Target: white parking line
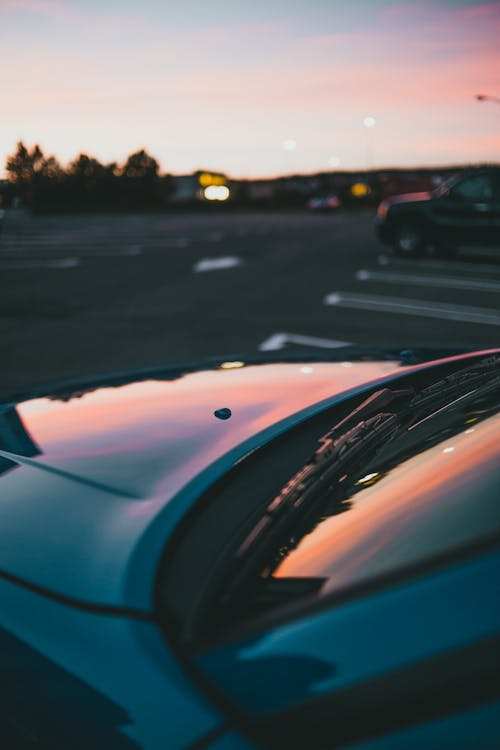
pixel 31 257
pixel 416 307
pixel 60 263
pixel 279 340
pixel 216 264
pixel 451 282
pixel 129 252
pixel 176 242
pixel 440 265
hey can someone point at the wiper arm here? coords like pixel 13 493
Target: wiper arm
pixel 338 450
pixel 468 378
pixel 336 455
pixel 468 382
pixel 374 404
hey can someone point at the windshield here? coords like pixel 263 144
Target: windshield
pixel 443 188
pixel 202 180
pixel 391 518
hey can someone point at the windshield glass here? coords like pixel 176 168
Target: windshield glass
pixel 444 187
pixel 391 518
pixel 202 179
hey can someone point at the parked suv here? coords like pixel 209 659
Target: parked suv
pixel 463 211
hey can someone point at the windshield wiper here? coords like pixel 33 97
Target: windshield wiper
pixel 338 452
pixel 363 432
pixel 468 382
pixel 296 506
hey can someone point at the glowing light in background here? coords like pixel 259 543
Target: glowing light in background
pixel 369 122
pixel 208 178
pixel 334 161
pixel 360 190
pixel 231 365
pixel 290 144
pixel 216 193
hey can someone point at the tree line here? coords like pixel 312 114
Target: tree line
pixel 41 183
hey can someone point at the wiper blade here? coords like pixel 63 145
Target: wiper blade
pixel 374 404
pixel 338 451
pixel 336 455
pixel 456 388
pixel 461 381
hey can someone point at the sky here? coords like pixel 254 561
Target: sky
pixel 224 84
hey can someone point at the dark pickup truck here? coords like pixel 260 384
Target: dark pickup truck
pixel 463 211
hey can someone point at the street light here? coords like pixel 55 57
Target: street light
pixel 486 98
pixel 369 123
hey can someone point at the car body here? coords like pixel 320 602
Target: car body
pixel 137 516
pixel 462 212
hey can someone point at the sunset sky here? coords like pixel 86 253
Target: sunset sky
pixel 222 84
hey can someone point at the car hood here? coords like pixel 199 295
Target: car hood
pixel 92 486
pixel 409 198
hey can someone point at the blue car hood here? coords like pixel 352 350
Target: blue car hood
pixel 92 486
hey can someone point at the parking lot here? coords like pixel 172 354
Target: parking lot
pixel 95 294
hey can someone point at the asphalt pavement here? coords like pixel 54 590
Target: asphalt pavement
pixel 83 295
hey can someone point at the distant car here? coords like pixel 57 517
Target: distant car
pixel 235 556
pixel 464 211
pixel 324 204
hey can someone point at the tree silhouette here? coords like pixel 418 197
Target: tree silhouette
pixel 35 178
pixel 51 169
pixel 85 168
pixel 24 165
pixel 85 184
pixel 141 166
pixel 139 181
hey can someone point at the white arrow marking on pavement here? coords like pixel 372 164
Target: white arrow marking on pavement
pixel 416 307
pixel 216 264
pixel 452 282
pixel 279 341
